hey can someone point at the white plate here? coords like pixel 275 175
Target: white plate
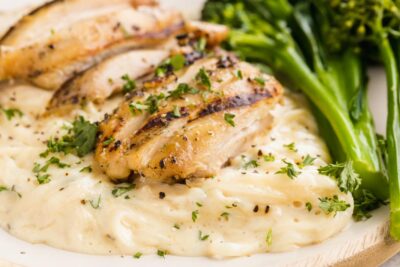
pixel 358 237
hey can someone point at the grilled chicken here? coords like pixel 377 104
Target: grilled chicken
pixel 187 123
pixel 104 79
pixel 64 38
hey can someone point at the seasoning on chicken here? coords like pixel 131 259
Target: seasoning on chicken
pixel 64 38
pixel 127 69
pixel 187 123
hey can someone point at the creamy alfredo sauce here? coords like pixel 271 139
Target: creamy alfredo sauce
pixel 245 209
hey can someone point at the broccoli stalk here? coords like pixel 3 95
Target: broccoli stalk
pixel 365 24
pixel 265 31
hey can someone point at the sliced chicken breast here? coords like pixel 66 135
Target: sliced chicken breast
pixel 187 124
pixel 47 48
pixel 109 77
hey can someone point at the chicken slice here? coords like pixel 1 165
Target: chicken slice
pixel 104 79
pixel 64 38
pixel 189 123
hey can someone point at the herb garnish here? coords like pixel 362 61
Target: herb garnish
pixel 161 253
pixel 87 169
pixel 40 171
pixel 333 205
pixel 364 203
pixel 96 204
pixel 176 226
pixel 348 180
pixel 122 189
pixel 269 157
pixel 178 62
pixel 307 161
pixel 308 206
pixel 291 147
pixel 12 112
pixel 181 89
pixel 80 140
pixel 3 188
pixel 137 255
pixel 229 119
pixel 251 164
pixel 225 215
pixel 260 80
pixel 268 238
pixel 289 170
pixel 203 237
pixel 108 141
pixel 203 78
pixel 239 74
pixel 194 215
pixel 129 84
pixel 177 112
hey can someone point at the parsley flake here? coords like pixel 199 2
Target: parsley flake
pixel 177 112
pixel 182 89
pixel 348 180
pixel 260 80
pixel 364 203
pixel 333 205
pixel 195 215
pixel 203 78
pixel 239 74
pixel 269 157
pixel 309 206
pixel 161 253
pixel 108 141
pixel 129 84
pixel 225 215
pixel 228 117
pixel 268 238
pixel 178 62
pixel 137 108
pixel 307 161
pixel 289 170
pixel 203 237
pixel 3 188
pixel 291 147
pixel 137 255
pixel 12 112
pixel 122 189
pixel 95 203
pixel 87 169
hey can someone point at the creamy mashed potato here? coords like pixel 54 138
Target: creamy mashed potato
pixel 246 209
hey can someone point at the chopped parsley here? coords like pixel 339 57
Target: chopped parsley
pixel 95 203
pixel 182 89
pixel 307 161
pixel 239 74
pixel 251 164
pixel 203 78
pixel 152 103
pixel 87 169
pixel 177 112
pixel 122 189
pixel 228 117
pixel 291 147
pixel 225 215
pixel 129 84
pixel 178 62
pixel 108 141
pixel 348 180
pixel 3 188
pixel 137 255
pixel 364 203
pixel 195 215
pixel 268 238
pixel 269 157
pixel 137 107
pixel 308 206
pixel 198 204
pixel 40 171
pixel 289 170
pixel 177 226
pixel 80 139
pixel 333 205
pixel 203 237
pixel 11 113
pixel 201 44
pixel 162 253
pixel 260 80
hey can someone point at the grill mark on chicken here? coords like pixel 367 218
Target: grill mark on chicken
pixel 163 120
pixel 233 102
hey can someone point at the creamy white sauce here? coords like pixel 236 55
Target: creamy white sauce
pixel 53 213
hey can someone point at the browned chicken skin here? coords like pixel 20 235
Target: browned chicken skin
pixel 187 124
pixel 64 38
